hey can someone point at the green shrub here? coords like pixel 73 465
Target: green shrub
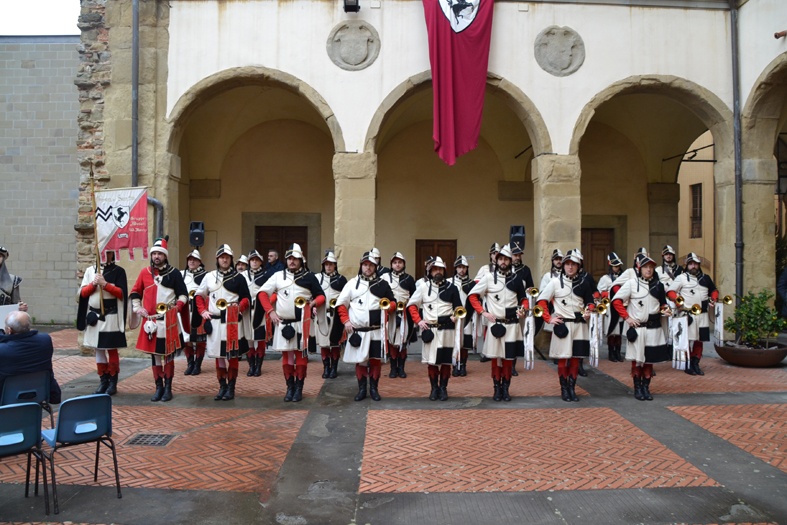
pixel 755 322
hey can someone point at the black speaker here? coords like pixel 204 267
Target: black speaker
pixel 197 234
pixel 516 238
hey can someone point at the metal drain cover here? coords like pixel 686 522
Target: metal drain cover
pixel 151 440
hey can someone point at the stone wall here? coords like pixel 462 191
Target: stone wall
pixel 39 174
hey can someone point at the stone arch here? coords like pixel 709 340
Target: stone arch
pixel 706 105
pixel 764 112
pixel 519 103
pixel 214 84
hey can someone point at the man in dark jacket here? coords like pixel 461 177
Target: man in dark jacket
pixel 781 289
pixel 23 351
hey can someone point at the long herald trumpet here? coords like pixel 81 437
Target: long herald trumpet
pixel 460 312
pixel 681 302
pixel 400 306
pixel 222 304
pixel 161 308
pixel 536 311
pixel 601 309
pixel 533 291
pixel 727 299
pixel 385 303
pixel 332 303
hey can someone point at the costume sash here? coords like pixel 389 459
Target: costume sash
pixel 232 312
pixel 679 333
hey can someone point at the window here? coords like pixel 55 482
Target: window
pixel 696 211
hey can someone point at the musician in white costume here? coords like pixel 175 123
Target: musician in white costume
pixel 461 279
pixel 438 301
pixel 255 278
pixel 667 272
pixel 640 303
pixel 297 292
pixel 498 296
pixel 325 328
pixel 613 325
pixel 572 297
pixel 696 288
pixel 223 299
pixel 360 307
pixel 105 330
pixel 403 286
pixel 195 347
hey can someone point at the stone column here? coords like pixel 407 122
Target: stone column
pixel 355 176
pixel 759 226
pixel 663 216
pixel 725 225
pixel 557 208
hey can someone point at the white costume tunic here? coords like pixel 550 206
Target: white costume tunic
pixel 109 332
pixel 568 298
pixel 403 286
pixel 666 274
pixel 360 302
pixel 605 285
pixel 192 281
pixel 438 302
pixel 323 325
pixel 695 290
pixel 644 305
pixel 502 295
pixel 544 282
pixel 288 286
pixel 233 288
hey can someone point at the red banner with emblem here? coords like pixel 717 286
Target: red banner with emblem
pixel 122 221
pixel 460 32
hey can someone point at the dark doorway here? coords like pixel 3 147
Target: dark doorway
pixel 596 244
pixel 280 238
pixel 446 249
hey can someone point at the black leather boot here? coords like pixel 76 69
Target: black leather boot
pixel 572 383
pixel 326 368
pixel 611 351
pixel 695 365
pixel 582 372
pixel 394 368
pixel 435 393
pixel 401 361
pixel 443 389
pixel 290 388
pixel 455 370
pixel 222 390
pixel 690 367
pixel 646 389
pixel 167 395
pixel 498 395
pixel 258 366
pixel 504 384
pixel 463 369
pixel 638 389
pixel 230 394
pixel 103 385
pixel 252 366
pixel 189 365
pixel 513 368
pixel 297 394
pixel 159 390
pixel 197 366
pixel 484 359
pixel 113 385
pixel 373 392
pixel 334 367
pixel 564 395
pixel 361 395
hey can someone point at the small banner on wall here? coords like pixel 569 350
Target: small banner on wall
pixel 122 221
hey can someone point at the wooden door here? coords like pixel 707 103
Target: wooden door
pixel 596 245
pixel 280 238
pixel 444 248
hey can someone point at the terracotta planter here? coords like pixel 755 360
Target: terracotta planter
pixel 752 357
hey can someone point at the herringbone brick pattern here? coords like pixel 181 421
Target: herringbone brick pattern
pixel 65 339
pixel 70 367
pixel 541 381
pixel 760 430
pixel 270 383
pixel 515 450
pixel 214 449
pixel 719 377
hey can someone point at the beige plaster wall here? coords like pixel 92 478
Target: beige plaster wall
pixel 614 183
pixel 419 197
pixel 282 166
pixel 698 173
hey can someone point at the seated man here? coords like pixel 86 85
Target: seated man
pixel 23 351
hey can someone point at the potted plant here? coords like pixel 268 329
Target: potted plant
pixel 756 324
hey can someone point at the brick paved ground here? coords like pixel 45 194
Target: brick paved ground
pixel 707 450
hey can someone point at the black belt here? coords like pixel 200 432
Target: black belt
pixel 366 329
pixel 578 318
pixel 108 310
pixel 654 321
pixel 507 320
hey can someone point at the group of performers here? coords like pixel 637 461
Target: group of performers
pixel 247 308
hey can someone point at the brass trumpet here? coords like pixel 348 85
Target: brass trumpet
pixel 727 299
pixel 192 294
pixel 460 312
pixel 601 308
pixel 679 300
pixel 533 291
pixel 161 308
pixel 538 311
pixel 400 306
pixel 695 309
pixel 301 302
pixel 384 303
pixel 332 303
pixel 221 304
pixel 605 301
